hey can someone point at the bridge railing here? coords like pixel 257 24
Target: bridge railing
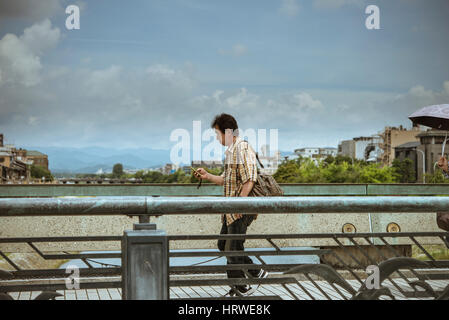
pixel 146 271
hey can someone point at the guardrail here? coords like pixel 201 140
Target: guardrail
pixel 403 277
pixel 145 267
pixel 156 206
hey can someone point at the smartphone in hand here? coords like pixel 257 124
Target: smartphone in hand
pixel 195 172
pixel 198 176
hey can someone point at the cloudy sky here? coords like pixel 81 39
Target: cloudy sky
pixel 135 72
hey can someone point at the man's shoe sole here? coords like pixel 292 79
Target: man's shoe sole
pixel 262 277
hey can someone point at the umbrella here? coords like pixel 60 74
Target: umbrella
pixel 436 117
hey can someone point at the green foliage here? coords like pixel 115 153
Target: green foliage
pixel 341 159
pixel 151 176
pixel 117 170
pixel 405 170
pixel 157 177
pixel 38 172
pixel 374 173
pixel 139 174
pixel 436 177
pixel 334 170
pixel 288 172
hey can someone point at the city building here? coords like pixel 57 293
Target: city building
pixel 347 148
pixel 393 137
pixel 270 163
pixel 366 148
pixel 409 151
pixel 170 168
pixel 316 154
pixel 291 157
pixel 15 163
pixel 37 158
pixel 311 153
pixel 11 168
pixel 431 142
pixel 328 151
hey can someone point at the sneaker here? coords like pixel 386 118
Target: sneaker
pixel 244 291
pixel 446 241
pixel 262 274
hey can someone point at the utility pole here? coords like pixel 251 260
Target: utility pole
pixel 423 165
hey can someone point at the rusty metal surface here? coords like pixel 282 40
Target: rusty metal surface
pixel 142 205
pixel 73 206
pixel 318 204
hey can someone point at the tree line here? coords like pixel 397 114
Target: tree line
pixel 339 169
pixel 343 169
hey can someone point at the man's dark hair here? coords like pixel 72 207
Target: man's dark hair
pixel 225 121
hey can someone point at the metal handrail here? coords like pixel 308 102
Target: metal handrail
pixel 155 206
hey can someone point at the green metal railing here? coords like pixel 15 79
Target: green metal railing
pixel 156 206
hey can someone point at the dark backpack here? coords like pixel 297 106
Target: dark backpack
pixel 443 220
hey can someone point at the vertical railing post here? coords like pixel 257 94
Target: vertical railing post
pixel 145 263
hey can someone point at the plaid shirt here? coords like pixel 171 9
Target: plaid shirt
pixel 240 167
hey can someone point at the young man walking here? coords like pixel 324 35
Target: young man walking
pixel 238 178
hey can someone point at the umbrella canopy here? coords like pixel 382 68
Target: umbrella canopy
pixel 436 116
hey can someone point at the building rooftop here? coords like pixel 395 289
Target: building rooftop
pixel 433 133
pixel 35 153
pixel 412 144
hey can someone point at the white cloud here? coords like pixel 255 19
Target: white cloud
pixel 421 92
pixel 237 50
pixel 263 111
pixel 20 56
pixel 105 83
pixel 171 79
pixel 305 101
pixel 289 8
pixel 421 95
pixel 41 37
pixel 242 100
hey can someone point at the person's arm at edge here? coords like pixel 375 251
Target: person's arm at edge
pixel 443 165
pixel 215 179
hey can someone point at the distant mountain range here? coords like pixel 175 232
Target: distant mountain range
pixel 92 159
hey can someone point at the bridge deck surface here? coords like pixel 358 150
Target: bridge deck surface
pixel 264 291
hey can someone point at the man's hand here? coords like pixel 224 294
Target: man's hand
pixel 442 164
pixel 201 174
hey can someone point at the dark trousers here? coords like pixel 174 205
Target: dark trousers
pixel 237 227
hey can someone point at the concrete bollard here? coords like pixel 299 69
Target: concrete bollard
pixel 145 263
